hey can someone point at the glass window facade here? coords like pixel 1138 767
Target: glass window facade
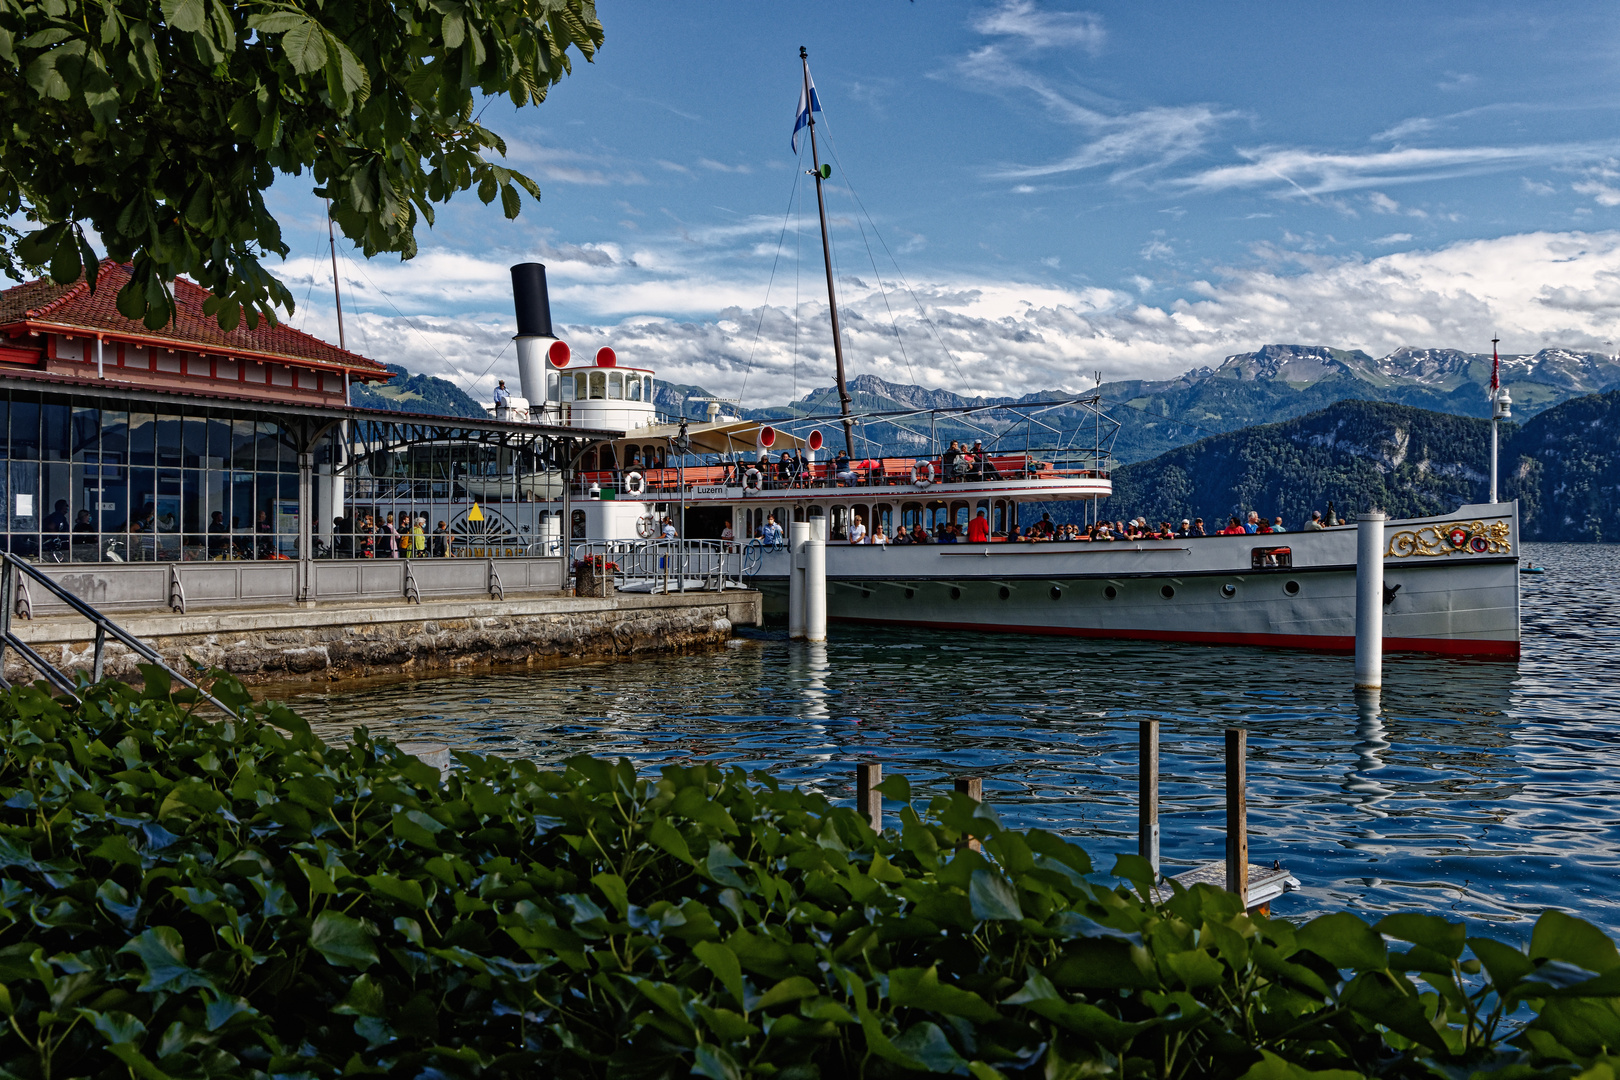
pixel 85 482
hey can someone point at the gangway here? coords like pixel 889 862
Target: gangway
pixel 15 574
pixel 662 566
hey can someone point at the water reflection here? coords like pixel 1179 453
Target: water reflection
pixel 1468 788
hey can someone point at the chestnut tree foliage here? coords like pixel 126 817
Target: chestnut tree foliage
pixel 159 124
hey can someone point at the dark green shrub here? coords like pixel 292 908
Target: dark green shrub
pixel 189 898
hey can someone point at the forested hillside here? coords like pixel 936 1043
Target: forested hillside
pixel 1565 471
pixel 1358 454
pixel 417 394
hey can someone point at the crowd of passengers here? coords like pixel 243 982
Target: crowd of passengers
pixel 977 530
pixel 791 469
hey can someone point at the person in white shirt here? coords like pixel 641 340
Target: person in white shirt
pixel 857 531
pixel 502 397
pixel 727 535
pixel 879 537
pixel 669 529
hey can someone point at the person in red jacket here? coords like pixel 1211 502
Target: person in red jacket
pixel 979 529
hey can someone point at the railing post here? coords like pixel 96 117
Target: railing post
pixel 8 592
pixel 98 664
pixel 973 788
pixel 1237 824
pixel 868 799
pixel 1147 802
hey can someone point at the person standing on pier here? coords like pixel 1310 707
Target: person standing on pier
pixel 441 541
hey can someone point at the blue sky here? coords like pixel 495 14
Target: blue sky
pixel 1059 188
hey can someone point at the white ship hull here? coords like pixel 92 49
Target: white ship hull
pixel 1442 598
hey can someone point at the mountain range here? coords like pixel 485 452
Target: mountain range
pixel 1563 465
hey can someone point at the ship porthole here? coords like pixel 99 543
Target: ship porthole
pixel 1291 588
pixel 1057 593
pixel 1110 592
pixel 956 594
pixel 1167 591
pixel 1228 591
pixel 1005 592
pixel 910 593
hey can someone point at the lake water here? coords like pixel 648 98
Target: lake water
pixel 1479 789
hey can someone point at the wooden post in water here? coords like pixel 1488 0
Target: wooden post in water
pixel 973 788
pixel 1147 805
pixel 1237 826
pixel 868 799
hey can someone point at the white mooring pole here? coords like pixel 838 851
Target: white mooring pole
pixel 815 582
pixel 798 537
pixel 1370 599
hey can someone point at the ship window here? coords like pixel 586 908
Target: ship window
pixel 910 515
pixel 609 458
pixel 780 514
pixel 839 529
pixel 579 524
pixel 632 388
pixel 580 392
pixel 615 386
pixel 936 514
pixel 882 515
pixel 588 462
pixel 598 385
pixel 1276 558
pixel 553 393
pixel 647 391
pixel 999 518
pixel 959 514
pixel 798 513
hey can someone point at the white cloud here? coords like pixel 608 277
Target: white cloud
pixel 1004 336
pixel 1298 172
pixel 1394 238
pixel 1040 28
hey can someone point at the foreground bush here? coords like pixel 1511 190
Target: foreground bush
pixel 190 898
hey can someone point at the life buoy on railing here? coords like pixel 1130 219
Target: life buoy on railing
pixel 646 527
pixel 922 473
pixel 751 480
pixel 634 483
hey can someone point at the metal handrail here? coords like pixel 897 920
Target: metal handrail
pixel 9 567
pixel 713 562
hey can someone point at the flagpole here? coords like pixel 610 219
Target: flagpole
pixel 826 254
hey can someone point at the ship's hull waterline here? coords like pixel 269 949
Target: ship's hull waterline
pixel 1442 596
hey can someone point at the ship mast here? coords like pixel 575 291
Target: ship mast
pixel 826 254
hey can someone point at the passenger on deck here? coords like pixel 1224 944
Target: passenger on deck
pixel 1262 526
pixel 771 534
pixel 919 535
pixel 1253 525
pixel 1185 530
pixel 1043 529
pixel 857 531
pixel 842 473
pixel 788 469
pixel 879 537
pixel 979 529
pixel 982 463
pixel 1315 524
pixel 1198 527
pixel 1018 535
pixel 727 536
pixel 955 467
pixel 901 536
pixel 1234 527
pixel 1103 531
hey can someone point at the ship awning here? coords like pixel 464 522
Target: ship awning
pixel 719 437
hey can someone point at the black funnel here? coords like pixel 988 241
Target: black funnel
pixel 533 303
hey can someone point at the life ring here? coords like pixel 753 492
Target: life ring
pixel 646 527
pixel 751 480
pixel 922 473
pixel 634 483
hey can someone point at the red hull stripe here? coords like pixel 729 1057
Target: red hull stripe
pixel 1506 650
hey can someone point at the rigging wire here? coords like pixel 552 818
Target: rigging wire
pixel 793 197
pixel 832 148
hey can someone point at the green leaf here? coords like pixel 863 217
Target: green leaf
pixel 1375 996
pixel 164 957
pixel 924 1046
pixel 723 963
pixel 1272 1067
pixel 305 46
pixel 404 890
pixel 664 835
pixel 1558 936
pixel 344 940
pixel 185 15
pixel 920 988
pixel 990 896
pixel 1344 941
pixel 715 1063
pixel 1429 931
pixel 792 988
pixel 896 787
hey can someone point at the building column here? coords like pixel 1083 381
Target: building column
pixel 306 508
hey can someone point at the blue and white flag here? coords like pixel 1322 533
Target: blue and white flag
pixel 802 117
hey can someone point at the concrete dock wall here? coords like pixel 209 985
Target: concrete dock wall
pixel 337 641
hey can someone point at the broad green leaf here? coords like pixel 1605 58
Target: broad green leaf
pixel 1272 1067
pixel 305 46
pixel 1344 941
pixel 164 956
pixel 1375 996
pixel 404 890
pixel 344 940
pixel 991 897
pixel 614 888
pixel 664 835
pixel 185 15
pixel 926 1045
pixel 725 966
pixel 792 988
pixel 1505 964
pixel 920 988
pixel 1558 936
pixel 1429 931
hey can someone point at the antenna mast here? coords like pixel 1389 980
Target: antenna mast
pixel 826 254
pixel 331 243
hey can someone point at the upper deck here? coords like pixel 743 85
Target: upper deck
pixel 1008 476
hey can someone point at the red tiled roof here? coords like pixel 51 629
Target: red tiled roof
pixel 43 303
